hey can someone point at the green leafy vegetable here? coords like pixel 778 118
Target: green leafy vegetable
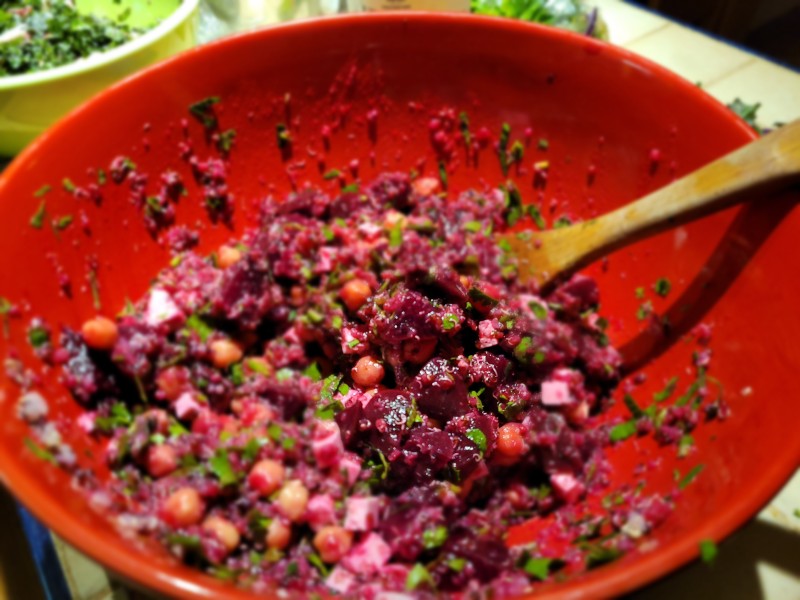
pixel 199 326
pixel 220 465
pixel 662 287
pixel 52 34
pixel 477 436
pixel 668 390
pixel 418 577
pixel 708 551
pixel 433 538
pixel 538 567
pixel 622 431
pixel 37 220
pixel 39 452
pixel 203 111
pixel 690 476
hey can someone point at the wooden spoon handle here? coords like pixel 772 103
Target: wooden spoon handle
pixel 764 166
pixel 767 165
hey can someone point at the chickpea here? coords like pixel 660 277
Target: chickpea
pixel 418 352
pixel 184 507
pixel 224 353
pixel 292 500
pixel 171 382
pixel 161 460
pixel 354 293
pixel 228 256
pixel 266 476
pixel 368 371
pixel 333 542
pixel 510 440
pixel 224 531
pixel 278 534
pixel 100 333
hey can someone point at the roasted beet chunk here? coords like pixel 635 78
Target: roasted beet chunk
pixel 427 452
pixel 285 395
pixel 393 189
pixel 578 294
pixel 486 556
pixel 489 369
pixel 439 391
pixel 81 374
pixel 309 203
pixel 409 516
pixel 407 317
pixel 244 293
pixel 387 413
pixel 466 457
pixel 136 347
pixel 348 421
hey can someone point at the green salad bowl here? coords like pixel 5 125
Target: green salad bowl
pixel 31 102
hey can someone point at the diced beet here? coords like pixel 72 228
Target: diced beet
pixel 369 556
pixel 439 391
pixel 320 511
pixel 362 513
pixel 327 444
pixel 348 421
pixel 489 369
pixel 388 412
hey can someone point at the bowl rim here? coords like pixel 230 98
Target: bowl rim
pixel 610 581
pixel 97 60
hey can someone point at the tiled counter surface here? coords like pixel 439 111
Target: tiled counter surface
pixel 762 560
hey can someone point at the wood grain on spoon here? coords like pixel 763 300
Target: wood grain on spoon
pixel 763 167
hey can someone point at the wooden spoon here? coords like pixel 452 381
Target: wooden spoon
pixel 767 165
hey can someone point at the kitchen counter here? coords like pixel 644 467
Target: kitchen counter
pixel 762 560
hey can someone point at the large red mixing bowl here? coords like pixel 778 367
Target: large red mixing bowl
pixel 596 105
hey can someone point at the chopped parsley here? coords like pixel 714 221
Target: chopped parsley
pixel 433 538
pixel 662 287
pixel 220 465
pixel 622 431
pixel 690 476
pixel 418 577
pixel 37 220
pixel 203 111
pixel 477 436
pixel 708 551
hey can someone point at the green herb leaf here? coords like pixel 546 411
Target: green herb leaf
pixel 199 326
pixel 690 476
pixel 62 223
pixel 419 576
pixel 622 431
pixel 443 174
pixel 433 538
pixel 598 555
pixel 332 174
pixel 538 567
pixel 283 135
pixel 316 561
pixel 312 372
pixel 38 451
pixel 457 564
pixel 477 436
pixel 634 409
pixel 449 321
pixel 40 193
pixel 521 351
pixel 225 140
pixel 708 551
pixel 37 220
pixel 38 336
pixel 668 390
pixel 203 111
pixel 662 287
pixel 220 465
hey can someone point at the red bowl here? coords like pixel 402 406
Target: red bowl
pixel 597 105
